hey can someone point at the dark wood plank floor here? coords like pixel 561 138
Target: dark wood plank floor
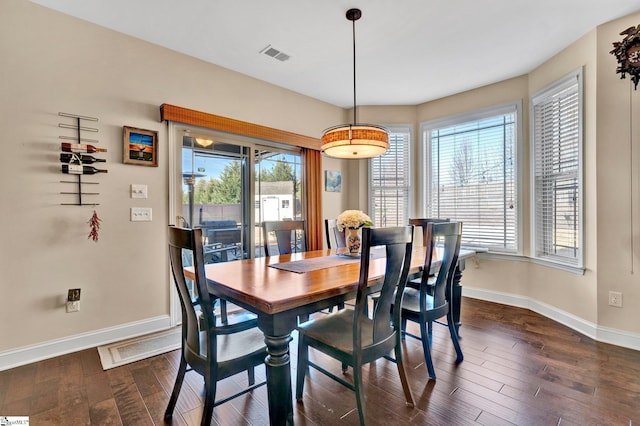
pixel 519 368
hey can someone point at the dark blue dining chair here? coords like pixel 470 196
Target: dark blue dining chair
pixel 430 301
pixel 212 349
pixel 350 336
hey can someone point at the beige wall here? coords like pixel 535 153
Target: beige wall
pixel 333 203
pixel 51 63
pixel 618 184
pixel 610 170
pixel 574 294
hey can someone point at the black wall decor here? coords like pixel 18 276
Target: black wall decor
pixel 627 53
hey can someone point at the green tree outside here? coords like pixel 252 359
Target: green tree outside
pixel 227 189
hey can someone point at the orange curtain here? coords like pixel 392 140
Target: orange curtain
pixel 313 200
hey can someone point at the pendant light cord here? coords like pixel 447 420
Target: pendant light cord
pixel 354 70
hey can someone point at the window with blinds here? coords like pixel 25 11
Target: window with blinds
pixel 389 181
pixel 472 175
pixel 557 172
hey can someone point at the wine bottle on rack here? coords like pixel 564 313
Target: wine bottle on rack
pixel 84 159
pixel 80 147
pixel 79 169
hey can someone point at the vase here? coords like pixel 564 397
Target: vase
pixel 353 241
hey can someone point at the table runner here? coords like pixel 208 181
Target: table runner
pixel 307 265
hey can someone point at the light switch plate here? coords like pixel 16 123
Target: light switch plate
pixel 140 214
pixel 138 191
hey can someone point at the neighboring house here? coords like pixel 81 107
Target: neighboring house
pixel 275 201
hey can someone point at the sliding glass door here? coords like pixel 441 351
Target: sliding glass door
pixel 230 185
pixel 227 185
pixel 215 190
pixel 278 195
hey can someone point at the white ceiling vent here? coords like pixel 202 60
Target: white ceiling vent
pixel 275 53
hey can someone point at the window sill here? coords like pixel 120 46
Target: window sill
pixel 519 258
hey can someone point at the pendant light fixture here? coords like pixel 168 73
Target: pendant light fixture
pixel 355 140
pixel 204 142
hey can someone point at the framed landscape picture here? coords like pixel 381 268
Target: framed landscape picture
pixel 140 147
pixel 332 181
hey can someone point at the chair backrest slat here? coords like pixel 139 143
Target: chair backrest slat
pixel 423 222
pixel 290 236
pixel 335 237
pixel 450 233
pixel 181 239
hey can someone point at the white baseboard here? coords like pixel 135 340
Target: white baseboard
pixel 599 333
pixel 28 354
pixel 78 342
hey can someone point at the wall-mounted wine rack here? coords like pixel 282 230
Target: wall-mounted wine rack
pixel 74 159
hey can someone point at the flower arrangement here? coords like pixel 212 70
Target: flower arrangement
pixel 352 219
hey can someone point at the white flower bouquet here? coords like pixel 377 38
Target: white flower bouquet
pixel 352 219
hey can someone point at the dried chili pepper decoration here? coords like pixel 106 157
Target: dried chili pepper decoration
pixel 94 225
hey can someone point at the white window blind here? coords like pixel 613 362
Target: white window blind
pixel 557 169
pixel 473 175
pixel 389 186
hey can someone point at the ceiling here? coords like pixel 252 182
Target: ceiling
pixel 408 51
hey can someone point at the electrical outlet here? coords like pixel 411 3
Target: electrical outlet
pixel 615 299
pixel 73 306
pixel 140 214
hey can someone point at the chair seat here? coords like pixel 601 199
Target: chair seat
pixel 415 282
pixel 236 345
pixel 240 316
pixel 330 330
pixel 414 285
pixel 411 301
pixel 233 317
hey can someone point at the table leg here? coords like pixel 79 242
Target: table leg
pixel 279 380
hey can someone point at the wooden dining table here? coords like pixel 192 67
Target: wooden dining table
pixel 279 296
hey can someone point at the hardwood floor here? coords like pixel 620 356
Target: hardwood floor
pixel 519 368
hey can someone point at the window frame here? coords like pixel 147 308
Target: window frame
pixel 396 128
pixel 538 97
pixel 425 177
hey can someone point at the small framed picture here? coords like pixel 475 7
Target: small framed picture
pixel 332 181
pixel 140 147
